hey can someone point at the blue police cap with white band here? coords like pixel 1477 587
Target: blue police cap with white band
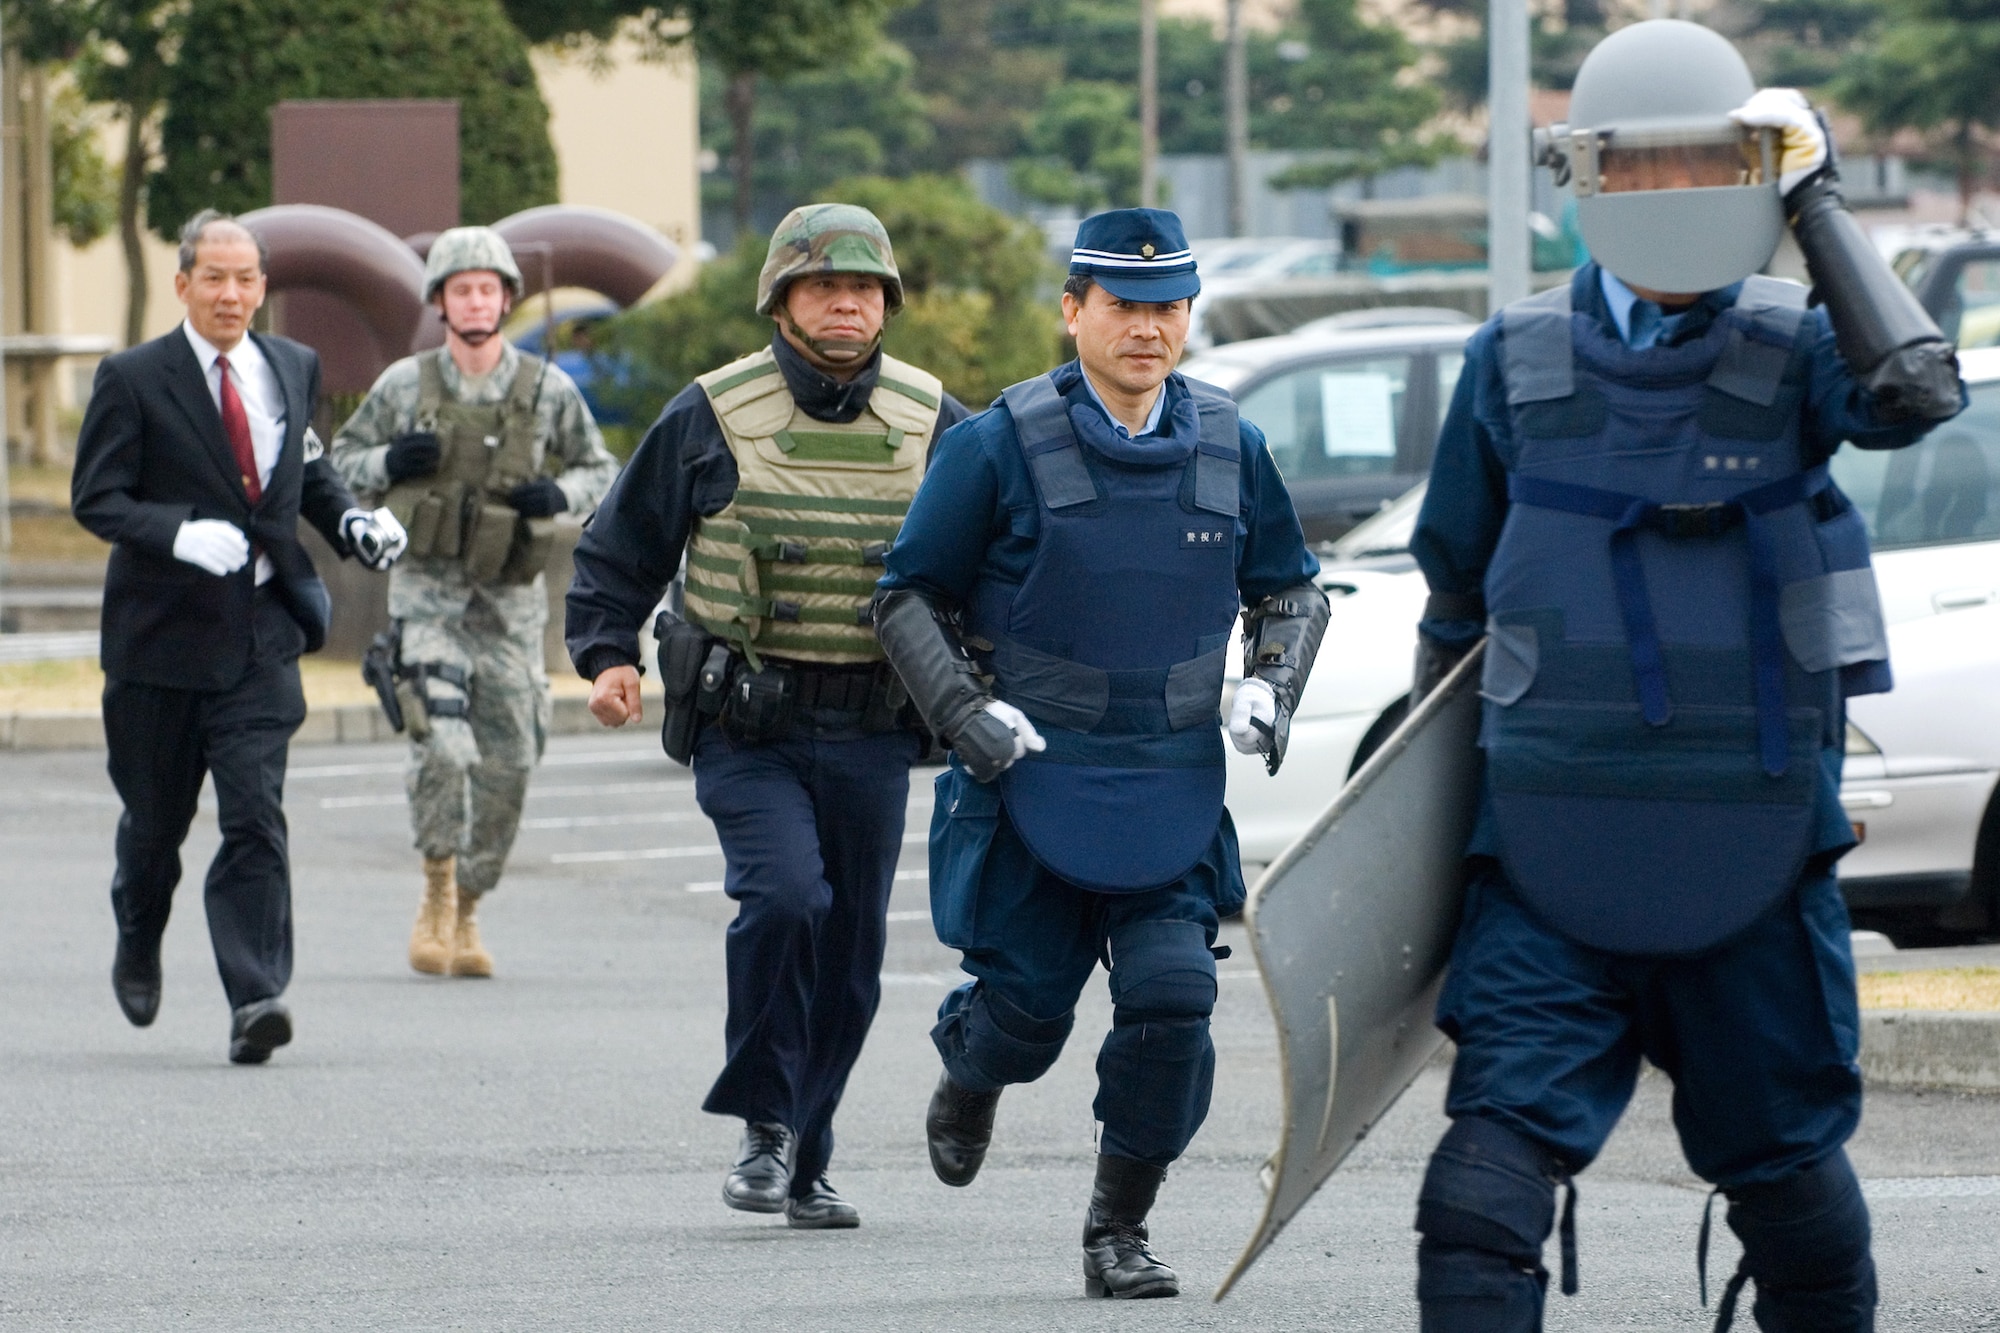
pixel 1136 254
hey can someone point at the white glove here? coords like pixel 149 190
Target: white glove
pixel 1801 146
pixel 212 544
pixel 1254 701
pixel 1026 738
pixel 375 536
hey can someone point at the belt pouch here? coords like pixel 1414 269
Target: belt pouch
pixel 489 540
pixel 760 704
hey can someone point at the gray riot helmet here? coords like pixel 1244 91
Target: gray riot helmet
pixel 1671 194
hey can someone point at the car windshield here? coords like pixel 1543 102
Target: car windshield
pixel 1941 490
pixel 1386 533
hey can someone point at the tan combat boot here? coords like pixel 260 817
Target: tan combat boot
pixel 431 937
pixel 468 956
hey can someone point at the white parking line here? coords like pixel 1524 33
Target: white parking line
pixel 534 793
pixel 715 886
pixel 606 821
pixel 634 854
pixel 924 915
pixel 312 772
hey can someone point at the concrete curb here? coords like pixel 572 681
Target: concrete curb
pixel 344 724
pixel 1917 1048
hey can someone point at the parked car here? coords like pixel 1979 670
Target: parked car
pixel 1956 275
pixel 1351 415
pixel 1922 761
pixel 1248 262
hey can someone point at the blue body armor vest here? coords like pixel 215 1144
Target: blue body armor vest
pixel 1677 606
pixel 1116 639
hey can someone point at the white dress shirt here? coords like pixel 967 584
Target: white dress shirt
pixel 263 403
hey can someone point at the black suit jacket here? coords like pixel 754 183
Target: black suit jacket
pixel 151 456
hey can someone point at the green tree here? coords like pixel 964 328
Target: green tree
pixel 570 20
pixel 1929 66
pixel 976 311
pixel 777 40
pixel 860 116
pixel 1085 147
pixel 120 53
pixel 86 188
pixel 1333 81
pixel 240 57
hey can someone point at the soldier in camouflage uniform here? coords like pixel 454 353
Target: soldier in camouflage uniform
pixel 479 446
pixel 784 476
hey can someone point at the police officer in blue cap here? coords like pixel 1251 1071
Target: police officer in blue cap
pixel 1630 499
pixel 1059 604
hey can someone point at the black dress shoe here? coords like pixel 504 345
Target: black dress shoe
pixel 1117 1261
pixel 819 1208
pixel 958 1128
pixel 762 1176
pixel 258 1028
pixel 135 980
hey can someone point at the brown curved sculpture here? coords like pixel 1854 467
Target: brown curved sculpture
pixel 589 247
pixel 345 255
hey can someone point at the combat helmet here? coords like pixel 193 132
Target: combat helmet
pixel 828 238
pixel 467 250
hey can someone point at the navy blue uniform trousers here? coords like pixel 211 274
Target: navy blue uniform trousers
pixel 1760 1038
pixel 161 743
pixel 1031 940
pixel 810 831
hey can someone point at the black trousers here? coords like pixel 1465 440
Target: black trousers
pixel 162 743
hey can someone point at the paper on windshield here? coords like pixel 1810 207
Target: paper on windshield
pixel 1358 410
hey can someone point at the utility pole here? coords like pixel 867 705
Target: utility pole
pixel 1236 115
pixel 1507 153
pixel 1149 103
pixel 6 498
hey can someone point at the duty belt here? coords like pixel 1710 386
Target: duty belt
pixel 1630 514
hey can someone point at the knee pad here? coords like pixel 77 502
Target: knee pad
pixel 1806 1245
pixel 988 1041
pixel 1489 1188
pixel 1162 970
pixel 1487 1205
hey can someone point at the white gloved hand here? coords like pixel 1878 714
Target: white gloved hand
pixel 375 536
pixel 212 544
pixel 1026 738
pixel 1254 700
pixel 1802 143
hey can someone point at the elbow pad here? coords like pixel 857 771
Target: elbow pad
pixel 1281 637
pixel 1887 338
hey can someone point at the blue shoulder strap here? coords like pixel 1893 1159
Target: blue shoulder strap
pixel 1769 313
pixel 1536 358
pixel 1041 425
pixel 1218 462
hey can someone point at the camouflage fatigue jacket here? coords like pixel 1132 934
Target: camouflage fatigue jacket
pixel 434 589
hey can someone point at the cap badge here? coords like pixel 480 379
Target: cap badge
pixel 1146 250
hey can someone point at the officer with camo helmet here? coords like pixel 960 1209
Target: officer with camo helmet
pixel 476 447
pixel 783 477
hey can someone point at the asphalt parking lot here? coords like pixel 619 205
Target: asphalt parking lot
pixel 528 1153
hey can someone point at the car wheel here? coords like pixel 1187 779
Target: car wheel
pixel 1979 912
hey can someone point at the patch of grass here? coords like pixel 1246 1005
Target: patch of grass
pixel 1957 988
pixel 56 537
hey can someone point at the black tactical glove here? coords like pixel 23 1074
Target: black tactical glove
pixel 414 454
pixel 539 498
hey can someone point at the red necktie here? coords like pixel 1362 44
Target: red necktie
pixel 236 425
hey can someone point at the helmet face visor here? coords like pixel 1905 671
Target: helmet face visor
pixel 1623 169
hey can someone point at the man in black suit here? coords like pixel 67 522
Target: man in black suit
pixel 196 461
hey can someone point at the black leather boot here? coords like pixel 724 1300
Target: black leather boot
pixel 1116 1259
pixel 959 1126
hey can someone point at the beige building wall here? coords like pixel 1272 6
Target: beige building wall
pixel 626 134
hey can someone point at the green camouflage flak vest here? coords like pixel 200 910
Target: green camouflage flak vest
pixel 788 567
pixel 460 513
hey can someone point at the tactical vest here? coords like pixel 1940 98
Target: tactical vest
pixel 460 513
pixel 1116 639
pixel 1674 603
pixel 788 566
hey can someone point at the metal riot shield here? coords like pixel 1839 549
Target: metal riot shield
pixel 1352 928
